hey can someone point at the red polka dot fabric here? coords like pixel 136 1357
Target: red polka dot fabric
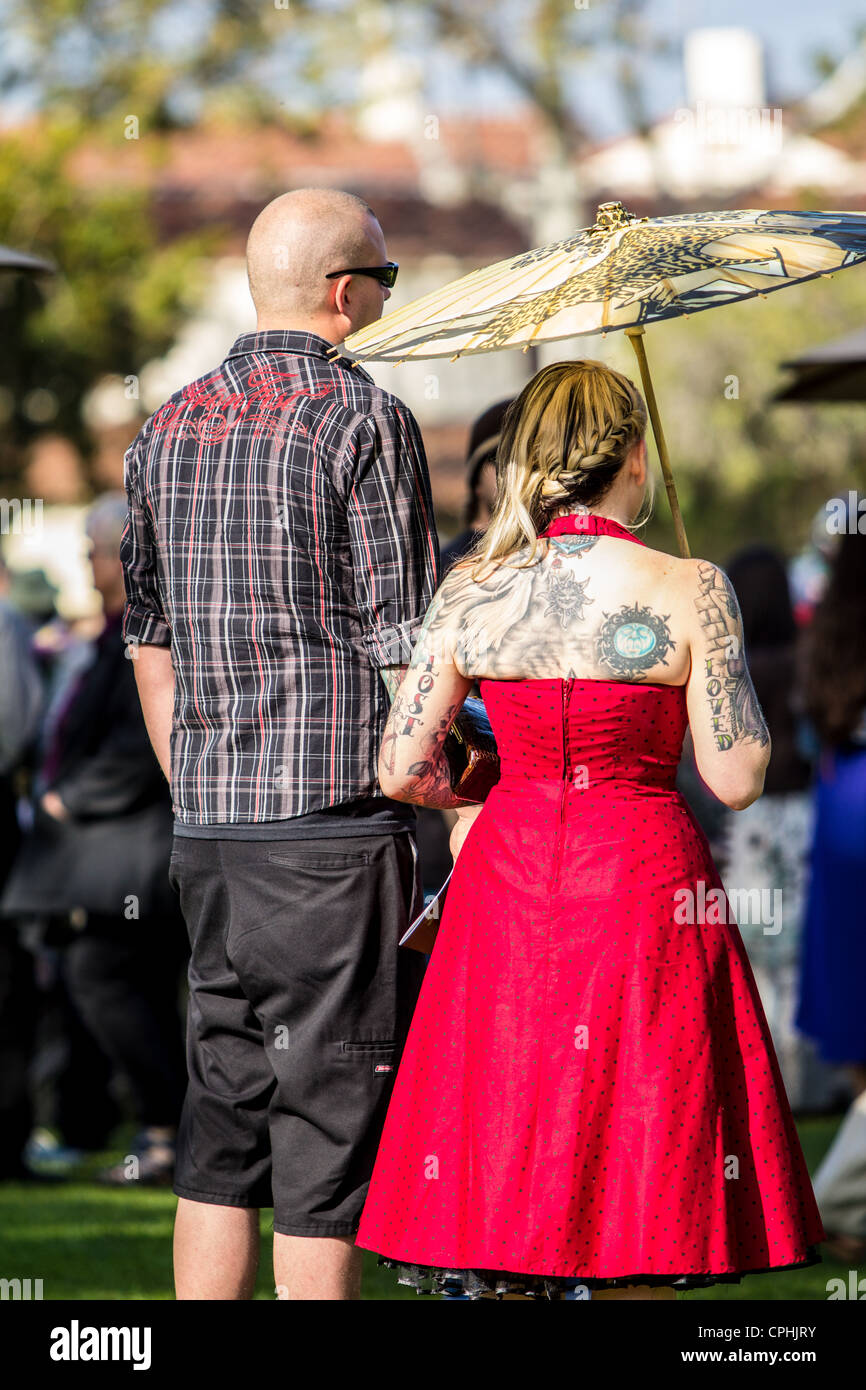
pixel 589 1089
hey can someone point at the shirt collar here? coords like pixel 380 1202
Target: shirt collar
pixel 294 341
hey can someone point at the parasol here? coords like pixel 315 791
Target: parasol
pixel 623 272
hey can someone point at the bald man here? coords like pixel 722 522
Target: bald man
pixel 279 556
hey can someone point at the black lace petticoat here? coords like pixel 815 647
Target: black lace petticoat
pixel 485 1283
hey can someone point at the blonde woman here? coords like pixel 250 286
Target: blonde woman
pixel 588 1098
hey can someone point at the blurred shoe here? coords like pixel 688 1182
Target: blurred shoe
pixel 150 1162
pixel 45 1154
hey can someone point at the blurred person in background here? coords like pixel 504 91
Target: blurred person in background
pixel 832 1006
pixel 32 594
pixel 20 703
pixel 94 868
pixel 809 568
pixel 765 847
pixel 433 826
pixel 20 707
pixel 480 483
pixel 54 1068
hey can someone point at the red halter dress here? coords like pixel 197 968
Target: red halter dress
pixel 588 1094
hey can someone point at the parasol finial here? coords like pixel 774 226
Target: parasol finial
pixel 610 217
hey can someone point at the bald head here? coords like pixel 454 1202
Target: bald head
pixel 296 240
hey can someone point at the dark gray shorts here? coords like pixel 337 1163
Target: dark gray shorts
pixel 299 1006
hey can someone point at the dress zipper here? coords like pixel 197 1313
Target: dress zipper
pixel 567 687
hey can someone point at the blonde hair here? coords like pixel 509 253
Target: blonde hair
pixel 564 440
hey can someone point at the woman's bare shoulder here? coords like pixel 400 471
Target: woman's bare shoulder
pixel 686 572
pixel 700 592
pixel 474 571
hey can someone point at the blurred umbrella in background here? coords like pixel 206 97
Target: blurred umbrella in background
pixel 21 261
pixel 832 372
pixel 623 273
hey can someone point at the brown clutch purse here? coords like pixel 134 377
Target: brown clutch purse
pixel 470 748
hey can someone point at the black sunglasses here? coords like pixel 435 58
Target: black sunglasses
pixel 386 274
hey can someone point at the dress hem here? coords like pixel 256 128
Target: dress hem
pixel 478 1283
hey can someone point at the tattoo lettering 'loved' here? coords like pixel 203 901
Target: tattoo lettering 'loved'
pixel 734 710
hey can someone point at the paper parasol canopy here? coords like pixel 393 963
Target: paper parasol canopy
pixel 622 273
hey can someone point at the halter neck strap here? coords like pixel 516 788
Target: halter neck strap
pixel 588 524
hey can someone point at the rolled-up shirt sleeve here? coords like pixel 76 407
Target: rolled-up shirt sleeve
pixel 395 548
pixel 144 620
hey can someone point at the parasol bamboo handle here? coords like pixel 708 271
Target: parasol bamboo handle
pixel 635 337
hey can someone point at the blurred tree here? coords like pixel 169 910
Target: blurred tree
pixel 539 47
pixel 167 61
pixel 98 60
pixel 82 70
pixel 115 303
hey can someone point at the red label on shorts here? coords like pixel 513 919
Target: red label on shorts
pixel 383 1066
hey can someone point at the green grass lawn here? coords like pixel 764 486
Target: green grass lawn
pixel 86 1241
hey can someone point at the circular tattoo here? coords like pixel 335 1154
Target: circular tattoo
pixel 633 640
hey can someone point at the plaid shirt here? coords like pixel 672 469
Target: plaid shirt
pixel 281 540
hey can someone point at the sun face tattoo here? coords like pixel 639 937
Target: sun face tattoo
pixel 566 596
pixel 634 640
pixel 734 710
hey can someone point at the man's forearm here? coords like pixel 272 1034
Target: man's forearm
pixel 154 676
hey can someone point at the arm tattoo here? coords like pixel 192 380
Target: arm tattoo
pixel 734 710
pixel 392 732
pixel 392 677
pixel 410 689
pixel 430 774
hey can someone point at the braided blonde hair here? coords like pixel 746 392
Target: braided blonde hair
pixel 564 440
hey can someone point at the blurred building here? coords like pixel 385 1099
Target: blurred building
pixel 729 146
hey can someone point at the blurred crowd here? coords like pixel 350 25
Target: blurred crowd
pixel 93 949
pixel 92 943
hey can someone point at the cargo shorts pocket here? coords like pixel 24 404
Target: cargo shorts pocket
pixel 380 1056
pixel 318 858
